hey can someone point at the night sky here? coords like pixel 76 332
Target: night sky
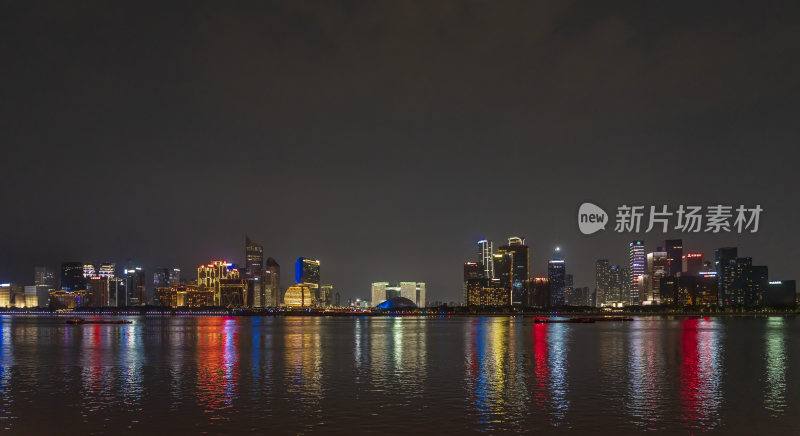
pixel 386 138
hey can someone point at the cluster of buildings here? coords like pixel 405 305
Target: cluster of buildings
pixel 218 284
pixel 665 276
pixel 669 276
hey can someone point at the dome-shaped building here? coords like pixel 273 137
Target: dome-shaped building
pixel 397 303
pixel 298 296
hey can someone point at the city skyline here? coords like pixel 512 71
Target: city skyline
pixel 306 141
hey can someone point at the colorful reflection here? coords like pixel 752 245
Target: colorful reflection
pixel 218 371
pixel 303 357
pixel 647 393
pixel 398 359
pixel 775 360
pixel 700 373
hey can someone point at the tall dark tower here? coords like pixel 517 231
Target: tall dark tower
pixel 674 249
pixel 519 275
pixel 725 264
pixel 272 284
pixel 557 273
pixel 72 276
pixel 254 257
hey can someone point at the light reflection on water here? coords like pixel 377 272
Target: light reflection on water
pixel 382 375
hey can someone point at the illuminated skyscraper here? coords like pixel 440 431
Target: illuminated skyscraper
pixel 254 257
pixel 637 268
pixel 272 284
pixel 692 264
pixel 135 288
pixel 326 295
pixel 520 267
pixel 306 272
pixel 44 279
pixel 601 281
pixel 674 250
pixel 72 276
pixel 540 292
pixel 486 258
pixel 473 277
pixel 212 274
pixel 657 267
pixel 557 275
pixel 724 263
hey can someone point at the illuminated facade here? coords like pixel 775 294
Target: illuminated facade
pixel 692 263
pixel 45 282
pixel 520 268
pixel 210 275
pixel 557 274
pixel 414 291
pixel 674 250
pixel 298 296
pixel 326 295
pixel 601 281
pixel 657 267
pixel 473 278
pixel 135 288
pixel 68 299
pixel 97 291
pixel 724 264
pixel 254 257
pixel 637 266
pixel 5 295
pixel 72 276
pixel 486 258
pixel 306 272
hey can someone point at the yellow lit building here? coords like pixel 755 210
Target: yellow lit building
pixel 209 276
pixel 298 296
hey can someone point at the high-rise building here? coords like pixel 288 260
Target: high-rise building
pixel 97 290
pixel 254 257
pixel 502 270
pixel 750 283
pixel 618 284
pixel 637 267
pixel 692 264
pixel 724 264
pixel 44 279
pixel 473 279
pixel 271 284
pixel 557 275
pixel 306 272
pixel 520 268
pixel 135 287
pixel 212 275
pixel 72 276
pixel 657 267
pixel 486 258
pixel 781 293
pixel 326 295
pixel 540 292
pixel 601 282
pixel 569 286
pixel 674 250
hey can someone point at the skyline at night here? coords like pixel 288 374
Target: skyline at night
pixel 386 139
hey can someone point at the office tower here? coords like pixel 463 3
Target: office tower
pixel 601 282
pixel 212 275
pixel 254 257
pixel 781 293
pixel 750 283
pixel 97 290
pixel 473 278
pixel 569 287
pixel 725 266
pixel 657 267
pixel 271 279
pixel 674 250
pixel 578 296
pixel 520 267
pixel 161 277
pixel 486 258
pixel 707 291
pixel 106 270
pixel 502 270
pixel 414 291
pixel 540 292
pixel 72 276
pixel 89 270
pixel 618 283
pixel 338 300
pixel 326 295
pixel 637 268
pixel 692 264
pixel 44 279
pixel 306 272
pixel 29 297
pixel 557 275
pixel 708 265
pixel 135 287
pixel 116 291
